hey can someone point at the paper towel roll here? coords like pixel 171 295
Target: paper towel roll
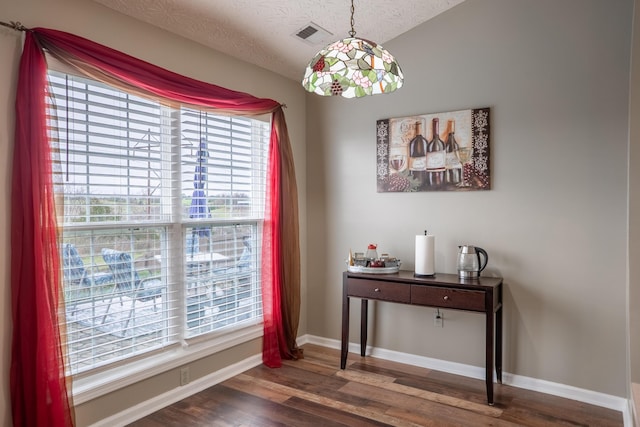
pixel 425 255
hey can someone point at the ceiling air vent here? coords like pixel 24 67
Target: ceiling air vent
pixel 313 34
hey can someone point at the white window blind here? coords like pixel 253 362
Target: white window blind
pixel 162 220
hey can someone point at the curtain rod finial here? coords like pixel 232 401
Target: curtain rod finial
pixel 17 25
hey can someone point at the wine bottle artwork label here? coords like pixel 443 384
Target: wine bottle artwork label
pixel 436 160
pixel 452 161
pixel 418 163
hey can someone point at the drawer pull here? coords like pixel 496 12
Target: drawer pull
pixel 376 290
pixel 446 298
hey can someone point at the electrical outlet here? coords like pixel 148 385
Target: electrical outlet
pixel 438 319
pixel 184 375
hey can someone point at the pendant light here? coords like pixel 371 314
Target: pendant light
pixel 352 67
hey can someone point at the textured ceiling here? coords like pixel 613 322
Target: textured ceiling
pixel 262 32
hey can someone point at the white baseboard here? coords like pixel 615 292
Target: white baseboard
pixel 587 396
pixel 634 403
pixel 175 395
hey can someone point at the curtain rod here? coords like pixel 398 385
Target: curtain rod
pixel 14 25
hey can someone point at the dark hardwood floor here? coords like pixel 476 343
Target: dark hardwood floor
pixel 314 392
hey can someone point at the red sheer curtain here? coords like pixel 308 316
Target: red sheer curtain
pixel 38 384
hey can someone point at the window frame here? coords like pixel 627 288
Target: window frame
pixel 99 381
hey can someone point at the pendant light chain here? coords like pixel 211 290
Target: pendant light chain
pixel 352 33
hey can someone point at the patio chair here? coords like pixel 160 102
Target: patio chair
pixel 240 274
pixel 75 273
pixel 241 270
pixel 128 282
pixel 244 262
pixel 192 245
pixel 223 302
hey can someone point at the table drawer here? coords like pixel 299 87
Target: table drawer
pixel 448 297
pixel 385 291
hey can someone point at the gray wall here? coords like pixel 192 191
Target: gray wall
pixel 10 49
pixel 634 205
pixel 556 76
pixel 91 20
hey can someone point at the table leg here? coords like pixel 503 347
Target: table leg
pixel 499 344
pixel 489 355
pixel 364 314
pixel 344 347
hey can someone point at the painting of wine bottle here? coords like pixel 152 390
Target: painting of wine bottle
pixel 447 151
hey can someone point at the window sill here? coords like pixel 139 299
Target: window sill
pixel 94 385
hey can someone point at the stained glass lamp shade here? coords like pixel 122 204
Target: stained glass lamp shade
pixel 352 68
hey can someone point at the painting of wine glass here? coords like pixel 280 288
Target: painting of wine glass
pixel 434 152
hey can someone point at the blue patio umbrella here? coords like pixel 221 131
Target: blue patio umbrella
pixel 199 208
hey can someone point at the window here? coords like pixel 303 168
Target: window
pixel 162 218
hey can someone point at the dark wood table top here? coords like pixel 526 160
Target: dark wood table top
pixel 439 279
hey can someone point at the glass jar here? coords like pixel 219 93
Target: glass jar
pixel 372 253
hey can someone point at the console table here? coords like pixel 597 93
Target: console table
pixel 482 295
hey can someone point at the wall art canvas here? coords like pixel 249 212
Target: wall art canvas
pixel 434 152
